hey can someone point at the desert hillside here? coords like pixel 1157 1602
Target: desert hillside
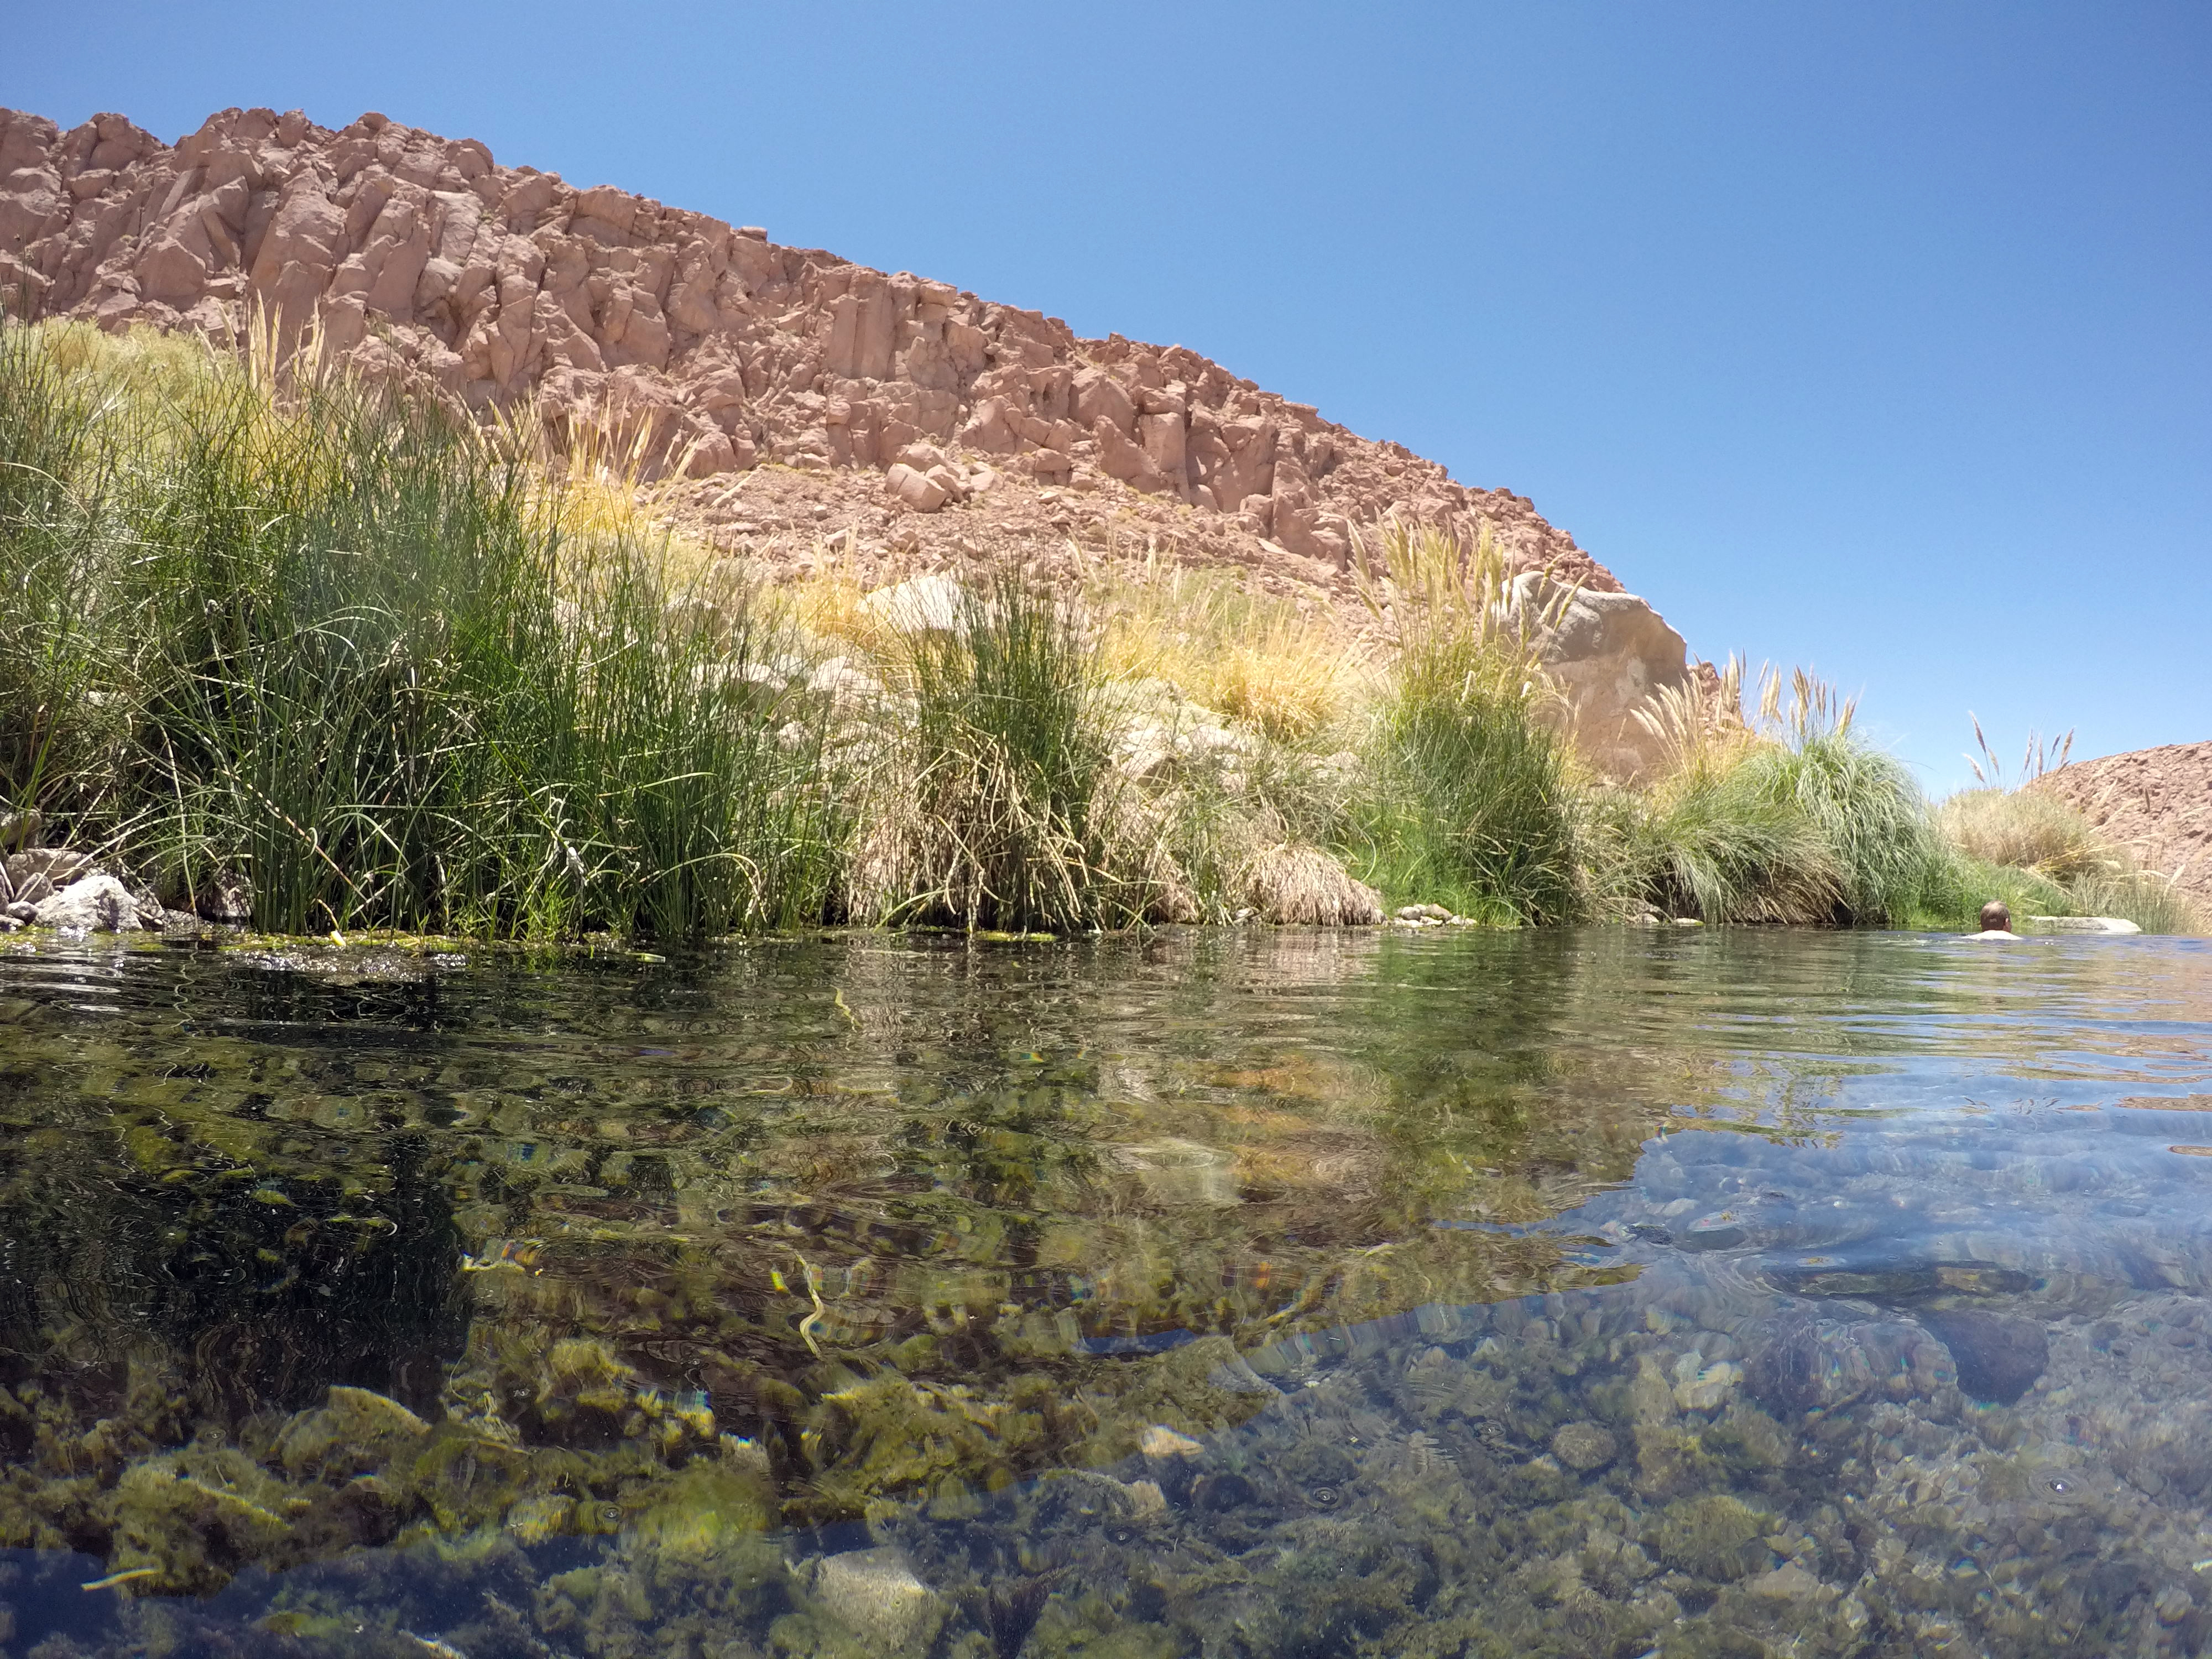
pixel 711 349
pixel 2156 803
pixel 1514 731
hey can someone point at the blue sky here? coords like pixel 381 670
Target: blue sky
pixel 1873 337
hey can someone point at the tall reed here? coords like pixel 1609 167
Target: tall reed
pixel 1473 799
pixel 996 803
pixel 343 650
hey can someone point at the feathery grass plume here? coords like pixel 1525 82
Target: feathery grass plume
pixel 1473 803
pixel 348 653
pixel 1862 801
pixel 1699 727
pixel 2024 829
pixel 1000 807
pixel 1259 660
pixel 2036 758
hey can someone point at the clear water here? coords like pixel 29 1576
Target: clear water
pixel 1245 1293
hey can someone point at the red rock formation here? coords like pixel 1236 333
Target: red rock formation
pixel 420 258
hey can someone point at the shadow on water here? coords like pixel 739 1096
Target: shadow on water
pixel 1234 1293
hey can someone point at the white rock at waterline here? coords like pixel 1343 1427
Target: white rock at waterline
pixel 97 904
pixel 2085 924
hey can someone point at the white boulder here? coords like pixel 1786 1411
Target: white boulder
pixel 1610 652
pixel 97 904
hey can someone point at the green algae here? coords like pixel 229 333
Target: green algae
pixel 1715 1536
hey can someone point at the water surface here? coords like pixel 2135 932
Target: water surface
pixel 1255 1292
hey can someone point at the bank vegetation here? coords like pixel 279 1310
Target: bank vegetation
pixel 305 656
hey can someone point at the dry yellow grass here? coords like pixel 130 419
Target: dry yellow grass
pixel 825 606
pixel 1304 886
pixel 1266 661
pixel 2023 829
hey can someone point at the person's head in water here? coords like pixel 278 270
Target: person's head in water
pixel 1997 917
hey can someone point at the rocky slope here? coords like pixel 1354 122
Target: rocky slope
pixel 2156 802
pixel 800 402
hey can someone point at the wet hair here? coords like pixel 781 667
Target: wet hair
pixel 1996 918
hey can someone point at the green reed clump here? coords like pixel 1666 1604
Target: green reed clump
pixel 56 647
pixel 1472 800
pixel 1773 817
pixel 1714 850
pixel 1862 806
pixel 1474 808
pixel 996 804
pixel 341 648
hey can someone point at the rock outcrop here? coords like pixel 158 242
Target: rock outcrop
pixel 2157 803
pixel 1610 650
pixel 413 254
pixel 790 399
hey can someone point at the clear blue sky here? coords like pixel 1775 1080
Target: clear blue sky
pixel 1870 336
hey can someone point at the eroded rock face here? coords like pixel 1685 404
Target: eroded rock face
pixel 409 256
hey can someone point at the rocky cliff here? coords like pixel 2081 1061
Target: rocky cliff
pixel 907 415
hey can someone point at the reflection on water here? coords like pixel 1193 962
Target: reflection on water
pixel 1231 1294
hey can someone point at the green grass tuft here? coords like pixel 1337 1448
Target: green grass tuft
pixel 338 650
pixel 1473 801
pixel 1000 806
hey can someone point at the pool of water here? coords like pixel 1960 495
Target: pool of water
pixel 1243 1294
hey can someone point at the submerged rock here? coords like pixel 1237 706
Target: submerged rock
pixel 357 1429
pixel 1702 1387
pixel 875 1594
pixel 1998 1357
pixel 1716 1536
pixel 1584 1447
pixel 1817 1364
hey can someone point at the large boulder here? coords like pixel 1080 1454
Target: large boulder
pixel 1610 654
